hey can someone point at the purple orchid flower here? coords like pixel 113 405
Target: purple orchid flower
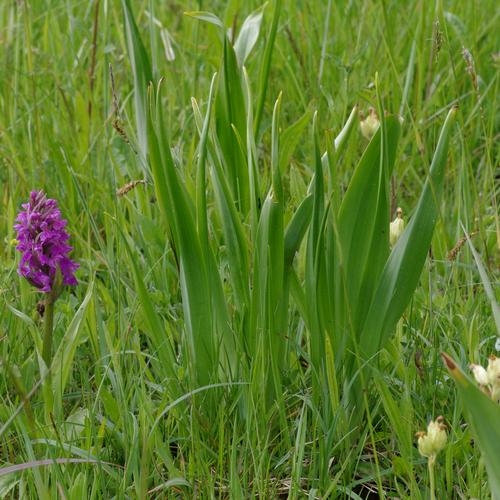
pixel 43 243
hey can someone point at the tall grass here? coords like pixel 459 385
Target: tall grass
pixel 242 327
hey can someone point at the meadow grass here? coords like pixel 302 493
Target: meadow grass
pixel 241 328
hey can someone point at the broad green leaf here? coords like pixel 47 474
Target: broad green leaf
pixel 318 190
pixel 218 299
pixel 401 273
pixel 363 221
pixel 201 182
pixel 484 416
pixel 210 342
pixel 232 228
pixel 252 166
pixel 270 296
pixel 341 139
pixel 314 254
pixel 268 272
pixel 275 152
pixel 331 376
pixel 178 211
pixel 230 121
pixel 248 35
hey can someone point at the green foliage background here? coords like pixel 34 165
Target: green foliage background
pixel 126 396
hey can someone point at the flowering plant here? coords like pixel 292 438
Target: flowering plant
pixel 43 242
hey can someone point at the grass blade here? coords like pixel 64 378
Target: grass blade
pixel 486 282
pixel 141 70
pixel 266 66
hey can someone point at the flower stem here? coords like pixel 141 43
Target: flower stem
pixel 47 331
pixel 430 464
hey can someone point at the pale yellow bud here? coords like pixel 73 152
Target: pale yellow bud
pixel 370 124
pixel 397 227
pixel 425 446
pixel 430 443
pixel 480 374
pixel 437 433
pixel 493 371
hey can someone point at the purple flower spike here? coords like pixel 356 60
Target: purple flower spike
pixel 43 243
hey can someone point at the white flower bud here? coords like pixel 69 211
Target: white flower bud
pixel 480 374
pixel 430 443
pixel 437 433
pixel 489 378
pixel 396 227
pixel 370 124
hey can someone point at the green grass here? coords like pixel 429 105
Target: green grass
pixel 240 328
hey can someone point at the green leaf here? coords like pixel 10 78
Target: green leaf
pixel 266 66
pixel 484 416
pixel 210 342
pixel 314 254
pixel 291 137
pixel 141 70
pixel 270 296
pixel 363 221
pixel 297 228
pixel 179 213
pixel 248 35
pixel 341 139
pixel 401 273
pixel 232 228
pixel 231 123
pixel 62 363
pixel 207 17
pixel 156 328
pixel 201 181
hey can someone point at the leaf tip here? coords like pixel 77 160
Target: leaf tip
pixel 448 361
pixel 453 368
